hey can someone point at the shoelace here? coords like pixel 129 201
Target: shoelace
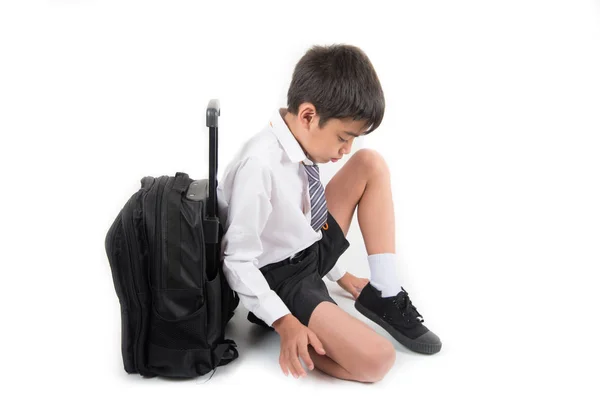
pixel 402 302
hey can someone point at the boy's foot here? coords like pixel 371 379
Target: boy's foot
pixel 399 317
pixel 255 320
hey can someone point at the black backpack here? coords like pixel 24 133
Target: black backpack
pixel 164 254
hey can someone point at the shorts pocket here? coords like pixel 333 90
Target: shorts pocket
pixel 293 272
pixel 303 257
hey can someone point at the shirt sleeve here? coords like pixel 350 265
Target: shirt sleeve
pixel 336 272
pixel 249 210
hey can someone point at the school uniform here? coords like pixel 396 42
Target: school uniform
pixel 274 255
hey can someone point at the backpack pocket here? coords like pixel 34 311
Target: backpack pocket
pixel 178 347
pixel 215 323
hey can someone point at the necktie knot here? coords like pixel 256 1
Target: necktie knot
pixel 313 172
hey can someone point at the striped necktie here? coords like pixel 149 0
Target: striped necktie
pixel 318 204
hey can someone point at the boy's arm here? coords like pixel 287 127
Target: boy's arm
pixel 249 209
pixel 336 272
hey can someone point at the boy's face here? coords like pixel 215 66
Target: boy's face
pixel 332 141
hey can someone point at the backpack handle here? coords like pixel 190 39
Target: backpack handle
pixel 213 111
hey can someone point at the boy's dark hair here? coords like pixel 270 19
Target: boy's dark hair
pixel 340 81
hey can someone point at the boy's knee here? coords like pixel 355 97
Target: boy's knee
pixel 372 160
pixel 379 361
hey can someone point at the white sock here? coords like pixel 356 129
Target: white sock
pixel 383 273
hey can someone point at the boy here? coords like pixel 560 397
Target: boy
pixel 284 232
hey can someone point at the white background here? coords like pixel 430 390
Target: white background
pixel 491 132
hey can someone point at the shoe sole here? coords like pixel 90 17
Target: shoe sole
pixel 411 344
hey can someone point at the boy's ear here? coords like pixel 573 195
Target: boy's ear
pixel 308 115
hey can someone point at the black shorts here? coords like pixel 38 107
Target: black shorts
pixel 299 281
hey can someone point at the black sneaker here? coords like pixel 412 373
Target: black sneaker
pixel 255 320
pixel 398 316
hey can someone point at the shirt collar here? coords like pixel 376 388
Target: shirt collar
pixel 288 141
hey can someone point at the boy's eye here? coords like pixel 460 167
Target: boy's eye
pixel 341 140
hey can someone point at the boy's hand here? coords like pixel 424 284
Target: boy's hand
pixel 295 338
pixel 352 284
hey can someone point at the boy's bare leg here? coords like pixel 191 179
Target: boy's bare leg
pixel 364 182
pixel 330 367
pixel 355 351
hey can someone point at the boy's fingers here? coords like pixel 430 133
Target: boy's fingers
pixel 290 367
pixel 316 343
pixel 288 362
pixel 283 367
pixel 283 364
pixel 352 290
pixel 295 361
pixel 303 350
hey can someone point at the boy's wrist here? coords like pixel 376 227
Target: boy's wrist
pixel 343 277
pixel 280 322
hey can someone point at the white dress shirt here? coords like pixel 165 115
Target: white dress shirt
pixel 264 207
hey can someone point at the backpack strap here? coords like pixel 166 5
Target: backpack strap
pixel 174 228
pixel 224 353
